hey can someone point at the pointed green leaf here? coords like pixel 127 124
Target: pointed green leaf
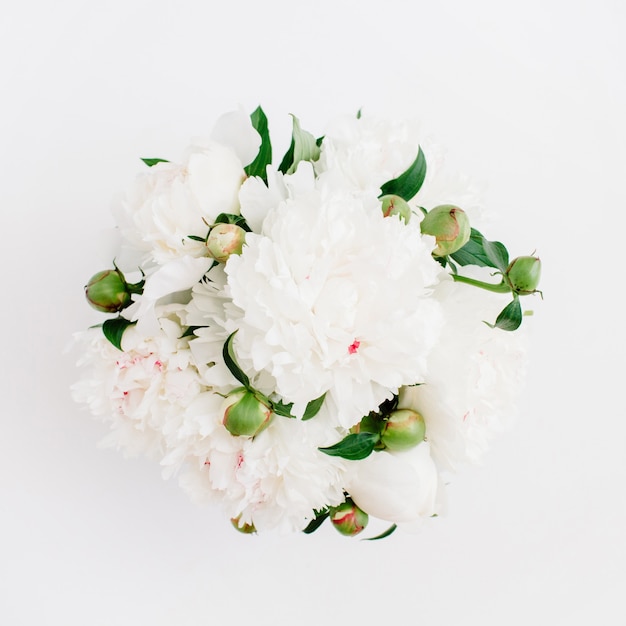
pixel 409 182
pixel 479 251
pixel 264 156
pixel 314 524
pixel 510 317
pixel 230 218
pixel 382 535
pixel 313 407
pixel 151 162
pixel 114 330
pixel 280 408
pixel 189 332
pixel 497 254
pixel 354 447
pixel 230 359
pixel 303 148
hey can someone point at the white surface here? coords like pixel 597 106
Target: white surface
pixel 528 97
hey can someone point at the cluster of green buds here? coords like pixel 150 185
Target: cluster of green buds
pixel 109 292
pixel 246 413
pixel 450 227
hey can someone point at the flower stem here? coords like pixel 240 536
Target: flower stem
pixel 501 287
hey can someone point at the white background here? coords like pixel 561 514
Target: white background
pixel 528 97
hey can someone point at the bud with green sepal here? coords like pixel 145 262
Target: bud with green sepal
pixel 395 205
pixel 245 528
pixel 449 225
pixel 523 274
pixel 108 291
pixel 403 429
pixel 348 518
pixel 224 240
pixel 246 413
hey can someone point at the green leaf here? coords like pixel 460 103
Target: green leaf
pixel 190 331
pixel 510 317
pixel 479 251
pixel 382 535
pixel 303 148
pixel 313 407
pixel 280 408
pixel 264 157
pixel 354 447
pixel 409 182
pixel 196 238
pixel 314 524
pixel 230 218
pixel 230 359
pixel 151 162
pixel 114 329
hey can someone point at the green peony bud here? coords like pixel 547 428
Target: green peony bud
pixel 395 205
pixel 224 240
pixel 108 292
pixel 403 429
pixel 245 414
pixel 450 227
pixel 348 518
pixel 246 529
pixel 523 274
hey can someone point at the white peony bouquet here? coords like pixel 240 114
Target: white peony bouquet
pixel 325 338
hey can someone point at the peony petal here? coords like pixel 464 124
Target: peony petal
pixel 235 130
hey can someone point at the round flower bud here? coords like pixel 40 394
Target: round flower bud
pixel 523 274
pixel 348 518
pixel 450 227
pixel 403 429
pixel 107 291
pixel 246 529
pixel 224 240
pixel 245 414
pixel 395 205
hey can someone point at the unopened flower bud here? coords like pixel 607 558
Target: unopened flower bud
pixel 107 291
pixel 245 414
pixel 245 528
pixel 395 205
pixel 224 240
pixel 523 274
pixel 348 518
pixel 403 429
pixel 449 225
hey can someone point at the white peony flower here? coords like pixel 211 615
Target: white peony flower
pixel 474 375
pixel 258 199
pixel 274 481
pixel 334 298
pixel 171 201
pixel 400 487
pixel 365 153
pixel 143 391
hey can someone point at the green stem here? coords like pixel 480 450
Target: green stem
pixel 502 287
